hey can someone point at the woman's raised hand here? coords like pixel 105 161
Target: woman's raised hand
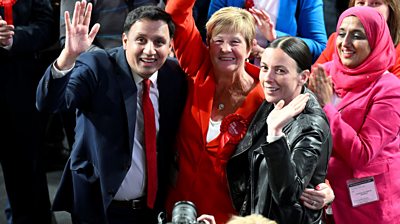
pixel 264 23
pixel 282 115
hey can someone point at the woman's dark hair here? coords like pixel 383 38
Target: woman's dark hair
pixel 297 49
pixel 149 12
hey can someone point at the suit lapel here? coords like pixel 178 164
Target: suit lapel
pixel 163 87
pixel 128 90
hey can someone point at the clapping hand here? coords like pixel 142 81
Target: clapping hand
pixel 281 115
pixel 321 85
pixel 77 36
pixel 6 33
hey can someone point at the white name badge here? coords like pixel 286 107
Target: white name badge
pixel 362 191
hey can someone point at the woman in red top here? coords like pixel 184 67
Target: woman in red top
pixel 390 9
pixel 223 96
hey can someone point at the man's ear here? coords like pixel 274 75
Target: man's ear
pixel 171 50
pixel 124 39
pixel 170 44
pixel 303 76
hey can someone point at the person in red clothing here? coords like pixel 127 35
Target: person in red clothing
pixel 223 96
pixel 390 9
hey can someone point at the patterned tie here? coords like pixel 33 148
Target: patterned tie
pixel 150 144
pixel 248 4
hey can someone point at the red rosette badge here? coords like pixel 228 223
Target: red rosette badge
pixel 7 4
pixel 233 128
pixel 248 4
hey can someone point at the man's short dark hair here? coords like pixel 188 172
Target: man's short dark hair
pixel 149 12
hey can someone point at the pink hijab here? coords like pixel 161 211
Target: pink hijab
pixel 381 58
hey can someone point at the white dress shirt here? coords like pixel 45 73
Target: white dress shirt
pixel 133 186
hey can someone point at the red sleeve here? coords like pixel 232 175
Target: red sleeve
pixel 188 45
pixel 327 54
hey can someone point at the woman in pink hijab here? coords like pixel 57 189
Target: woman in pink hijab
pixel 362 102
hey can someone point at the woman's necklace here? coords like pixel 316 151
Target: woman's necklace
pixel 232 97
pixel 232 102
pixel 221 106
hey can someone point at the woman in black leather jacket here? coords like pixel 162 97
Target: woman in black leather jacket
pixel 288 143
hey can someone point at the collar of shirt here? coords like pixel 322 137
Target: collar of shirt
pixel 138 80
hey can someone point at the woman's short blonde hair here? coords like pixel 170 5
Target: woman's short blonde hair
pixel 232 19
pixel 250 219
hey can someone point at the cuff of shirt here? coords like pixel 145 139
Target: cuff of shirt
pixel 271 139
pixel 56 73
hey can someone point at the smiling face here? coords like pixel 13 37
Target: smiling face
pixel 279 76
pixel 380 5
pixel 352 43
pixel 228 52
pixel 147 46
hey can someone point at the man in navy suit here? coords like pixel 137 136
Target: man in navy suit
pixel 104 180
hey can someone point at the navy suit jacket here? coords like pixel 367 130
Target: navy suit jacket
pixel 102 89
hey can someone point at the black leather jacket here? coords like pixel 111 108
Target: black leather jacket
pixel 269 178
